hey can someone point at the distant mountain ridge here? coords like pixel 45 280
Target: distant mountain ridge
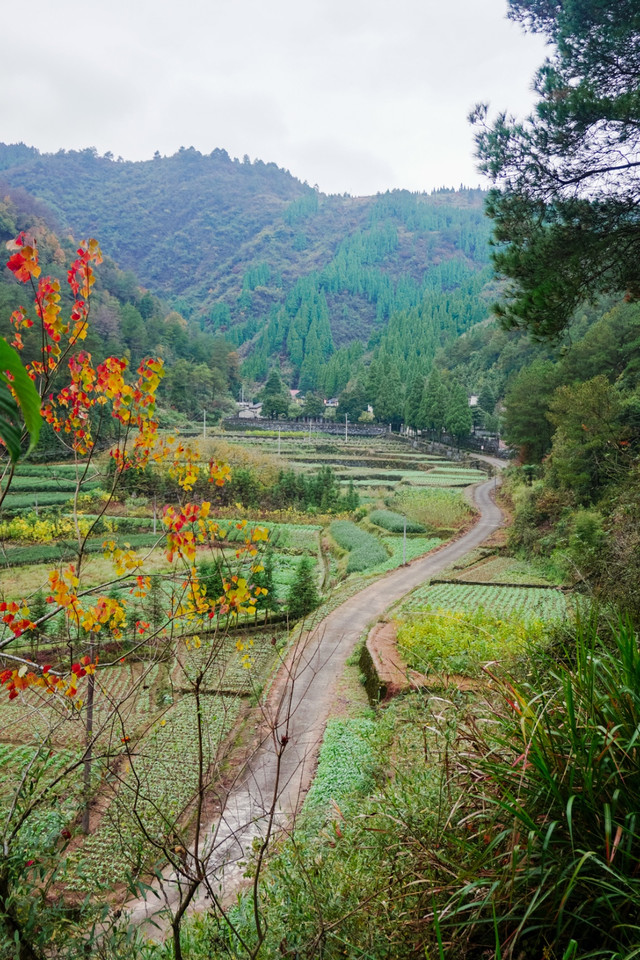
pixel 280 269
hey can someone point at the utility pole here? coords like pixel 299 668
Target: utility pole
pixel 346 416
pixel 278 441
pixel 204 424
pixel 404 544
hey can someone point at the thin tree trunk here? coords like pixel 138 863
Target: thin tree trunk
pixel 88 757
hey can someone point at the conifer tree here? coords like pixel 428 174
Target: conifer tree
pixel 414 402
pixel 458 416
pixel 303 593
pixel 265 579
pixel 352 499
pixel 388 406
pixel 434 403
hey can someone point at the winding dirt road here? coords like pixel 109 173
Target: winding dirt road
pixel 267 787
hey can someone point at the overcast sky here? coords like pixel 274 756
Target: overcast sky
pixel 354 95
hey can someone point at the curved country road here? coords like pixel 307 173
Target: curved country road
pixel 305 706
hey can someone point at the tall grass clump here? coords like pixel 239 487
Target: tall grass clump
pixel 556 811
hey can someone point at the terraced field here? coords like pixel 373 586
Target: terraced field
pixel 531 602
pixel 144 712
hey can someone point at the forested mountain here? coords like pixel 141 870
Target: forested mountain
pixel 201 367
pixel 282 271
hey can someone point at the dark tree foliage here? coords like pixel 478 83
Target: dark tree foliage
pixel 414 402
pixel 566 199
pixel 458 419
pixel 320 490
pixel 303 593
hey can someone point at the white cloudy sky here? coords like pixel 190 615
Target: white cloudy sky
pixel 354 95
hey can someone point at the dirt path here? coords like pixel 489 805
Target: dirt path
pixel 309 696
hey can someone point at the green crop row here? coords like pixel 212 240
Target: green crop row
pixel 53 484
pixel 161 770
pixel 345 765
pixel 51 471
pixel 235 663
pixel 535 603
pixel 414 547
pixel 433 507
pixel 64 550
pixel 14 503
pixel 365 550
pixel 462 641
pixel 429 480
pixel 123 697
pixel 504 570
pixel 394 522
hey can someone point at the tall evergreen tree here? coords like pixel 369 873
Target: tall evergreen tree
pixel 433 408
pixel 459 419
pixel 266 580
pixel 303 594
pixel 388 406
pixel 566 199
pixel 414 402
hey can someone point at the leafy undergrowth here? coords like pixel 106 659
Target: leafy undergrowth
pixel 331 882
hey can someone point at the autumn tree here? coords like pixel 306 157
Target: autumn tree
pixel 88 629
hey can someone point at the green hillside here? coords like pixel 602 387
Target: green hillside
pixel 282 271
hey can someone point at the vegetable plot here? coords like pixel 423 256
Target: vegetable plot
pixel 536 603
